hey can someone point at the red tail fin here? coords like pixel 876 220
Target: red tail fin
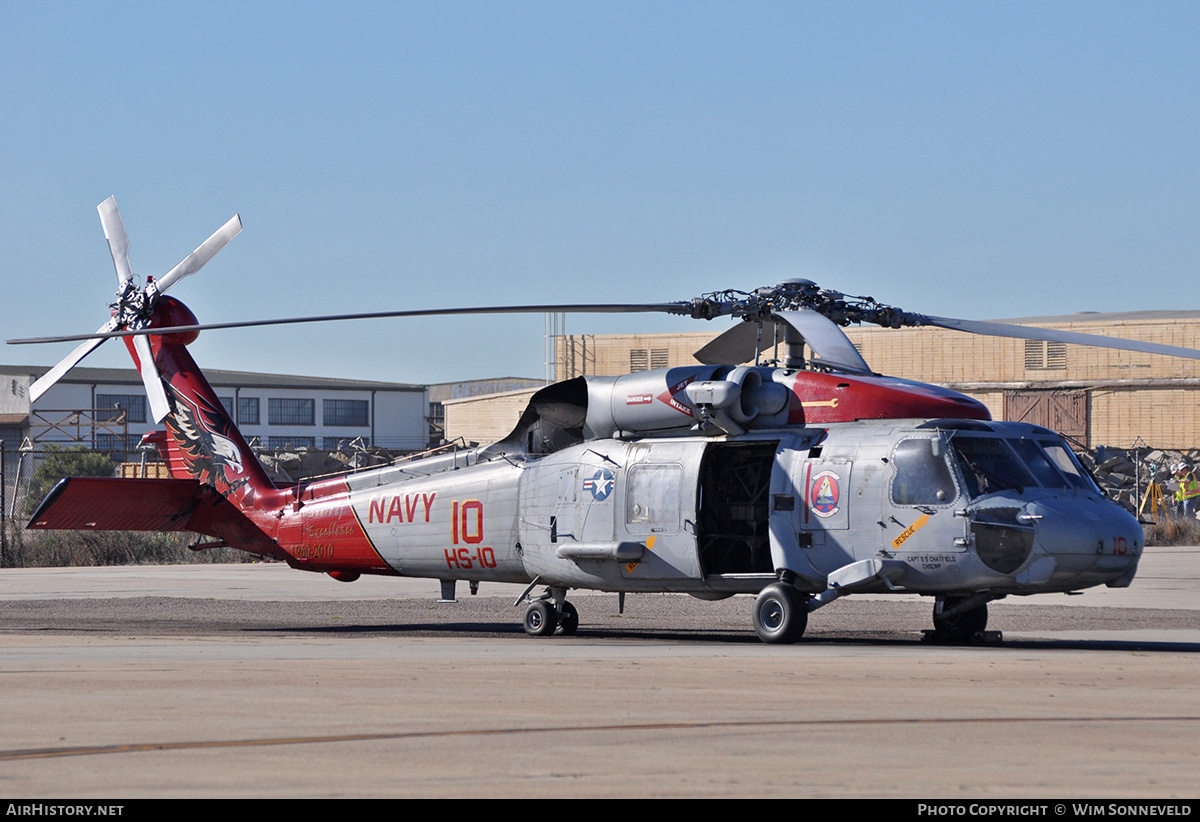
pixel 202 441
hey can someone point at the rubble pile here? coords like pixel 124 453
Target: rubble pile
pixel 290 465
pixel 1125 473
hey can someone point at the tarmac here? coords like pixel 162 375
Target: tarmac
pixel 261 681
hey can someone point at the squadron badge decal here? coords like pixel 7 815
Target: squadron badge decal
pixel 825 494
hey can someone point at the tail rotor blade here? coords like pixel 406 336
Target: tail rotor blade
pixel 118 240
pixel 150 378
pixel 196 260
pixel 42 384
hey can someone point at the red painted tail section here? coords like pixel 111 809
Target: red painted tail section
pixel 311 525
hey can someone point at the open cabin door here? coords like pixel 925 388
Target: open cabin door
pixel 733 529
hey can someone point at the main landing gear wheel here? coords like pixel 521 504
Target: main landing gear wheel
pixel 961 626
pixel 568 620
pixel 541 619
pixel 780 614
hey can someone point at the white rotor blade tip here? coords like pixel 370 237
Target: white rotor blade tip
pixel 196 260
pixel 118 240
pixel 151 380
pixel 43 383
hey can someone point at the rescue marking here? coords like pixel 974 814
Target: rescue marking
pixel 833 403
pixel 910 530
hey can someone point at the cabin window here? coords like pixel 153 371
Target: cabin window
pixel 652 499
pixel 922 475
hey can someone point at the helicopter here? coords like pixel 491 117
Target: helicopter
pixel 798 479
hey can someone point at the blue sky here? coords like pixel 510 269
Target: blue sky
pixel 979 160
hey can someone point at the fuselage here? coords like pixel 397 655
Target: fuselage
pixel 708 480
pixel 948 506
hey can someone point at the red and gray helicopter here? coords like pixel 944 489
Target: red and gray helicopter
pixel 797 480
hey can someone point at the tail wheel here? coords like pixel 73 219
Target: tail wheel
pixel 540 618
pixel 961 626
pixel 780 614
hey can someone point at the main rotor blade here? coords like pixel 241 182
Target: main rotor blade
pixel 196 260
pixel 736 345
pixel 829 343
pixel 150 378
pixel 118 240
pixel 42 384
pixel 1054 335
pixel 612 308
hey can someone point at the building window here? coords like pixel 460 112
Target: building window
pixel 134 406
pixel 344 443
pixel 116 444
pixel 291 442
pixel 247 410
pixel 346 412
pixel 288 411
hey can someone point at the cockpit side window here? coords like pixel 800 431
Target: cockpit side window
pixel 1069 465
pixel 922 475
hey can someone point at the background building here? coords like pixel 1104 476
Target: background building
pixel 1096 396
pixel 447 392
pixel 106 409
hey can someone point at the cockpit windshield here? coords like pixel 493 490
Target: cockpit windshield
pixel 991 464
pixel 988 465
pixel 924 475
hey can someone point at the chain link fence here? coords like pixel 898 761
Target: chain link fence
pixel 28 474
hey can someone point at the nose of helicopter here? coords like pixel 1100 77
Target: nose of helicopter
pixel 1092 540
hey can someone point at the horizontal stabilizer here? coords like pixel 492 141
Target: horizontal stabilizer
pixel 113 504
pixel 110 504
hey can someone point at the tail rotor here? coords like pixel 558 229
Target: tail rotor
pixel 134 307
